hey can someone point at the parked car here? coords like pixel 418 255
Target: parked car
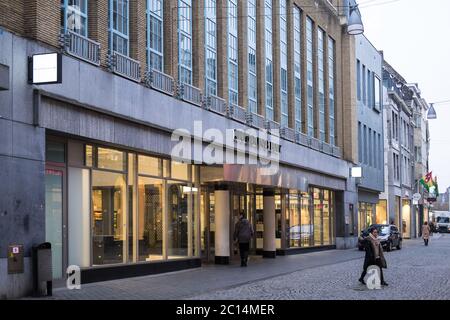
pixel 389 235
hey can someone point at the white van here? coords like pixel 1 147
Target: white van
pixel 442 221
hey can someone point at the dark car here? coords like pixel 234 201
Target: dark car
pixel 389 237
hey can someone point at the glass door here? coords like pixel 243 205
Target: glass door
pixel 208 225
pixel 54 224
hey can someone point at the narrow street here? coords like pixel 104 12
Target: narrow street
pixel 416 273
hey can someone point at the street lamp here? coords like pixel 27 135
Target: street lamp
pixel 355 25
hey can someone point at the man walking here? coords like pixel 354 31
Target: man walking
pixel 374 255
pixel 426 233
pixel 243 233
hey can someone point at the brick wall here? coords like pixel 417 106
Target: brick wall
pixel 43 21
pixel 98 25
pixel 138 32
pixel 13 15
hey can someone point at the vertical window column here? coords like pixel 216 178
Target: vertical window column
pixel 331 97
pixel 269 59
pixel 210 47
pixel 252 80
pixel 283 64
pixel 118 26
pixel 233 71
pixel 185 41
pixel 310 78
pixel 155 57
pixel 298 69
pixel 321 79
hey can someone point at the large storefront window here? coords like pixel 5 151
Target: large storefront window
pixel 294 220
pixel 142 208
pixel 310 223
pixel 317 218
pixel 367 214
pixel 150 222
pixel 109 217
pixel 382 217
pixel 179 217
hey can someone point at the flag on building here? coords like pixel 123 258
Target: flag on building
pixel 427 181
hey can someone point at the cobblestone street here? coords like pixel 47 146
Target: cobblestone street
pixel 416 272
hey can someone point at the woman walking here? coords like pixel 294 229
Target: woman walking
pixel 426 233
pixel 374 255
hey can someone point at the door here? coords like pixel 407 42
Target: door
pixel 55 220
pixel 208 226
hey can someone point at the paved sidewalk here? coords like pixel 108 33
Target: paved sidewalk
pixel 209 278
pixel 320 275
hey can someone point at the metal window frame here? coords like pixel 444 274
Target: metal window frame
pixel 187 35
pixel 151 15
pixel 210 48
pixel 233 32
pixel 113 31
pixel 65 8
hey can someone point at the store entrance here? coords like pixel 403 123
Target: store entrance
pixel 242 201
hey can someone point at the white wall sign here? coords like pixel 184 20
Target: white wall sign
pixel 45 68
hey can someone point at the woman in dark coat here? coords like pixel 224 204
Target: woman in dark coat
pixel 374 255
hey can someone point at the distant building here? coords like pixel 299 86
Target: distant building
pixel 398 152
pixel 443 202
pixel 369 63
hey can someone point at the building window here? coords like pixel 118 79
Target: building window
pixel 283 64
pixel 370 148
pixel 185 41
pixel 369 89
pixel 360 147
pixel 118 21
pixel 211 47
pixel 309 71
pixel 252 79
pixel 297 68
pixel 120 205
pixel 358 79
pixel 233 71
pixel 380 152
pixel 365 145
pixel 269 61
pixel 321 79
pixel 74 16
pixel 155 58
pixel 331 101
pixel 377 93
pixel 364 87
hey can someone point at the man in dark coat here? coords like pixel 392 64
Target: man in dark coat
pixel 243 233
pixel 374 255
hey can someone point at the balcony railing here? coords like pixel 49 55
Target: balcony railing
pixel 315 144
pixel 216 104
pixel 303 139
pixel 81 47
pixel 255 120
pixel 337 152
pixel 190 94
pixel 124 66
pixel 160 81
pixel 272 125
pixel 327 148
pixel 288 134
pixel 237 113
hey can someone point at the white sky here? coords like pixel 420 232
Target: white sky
pixel 415 38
